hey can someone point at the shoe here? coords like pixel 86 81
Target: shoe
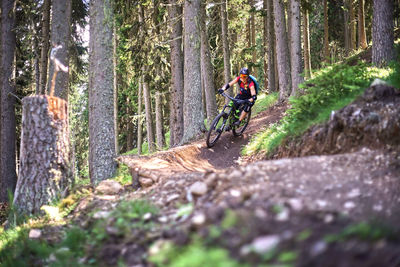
pixel 237 123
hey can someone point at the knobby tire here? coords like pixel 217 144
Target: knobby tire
pixel 238 131
pixel 213 130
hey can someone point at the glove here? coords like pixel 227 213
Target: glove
pixel 251 103
pixel 220 91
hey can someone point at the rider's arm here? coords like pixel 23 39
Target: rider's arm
pixel 226 86
pixel 253 93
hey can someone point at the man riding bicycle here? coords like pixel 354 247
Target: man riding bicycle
pixel 247 92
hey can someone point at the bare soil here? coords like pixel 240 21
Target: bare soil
pixel 335 206
pixel 330 209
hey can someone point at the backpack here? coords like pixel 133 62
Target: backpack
pixel 256 85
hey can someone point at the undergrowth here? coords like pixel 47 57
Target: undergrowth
pixel 17 249
pixel 331 89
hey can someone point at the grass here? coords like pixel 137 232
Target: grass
pixel 17 249
pixel 331 89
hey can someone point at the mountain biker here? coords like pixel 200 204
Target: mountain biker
pixel 247 92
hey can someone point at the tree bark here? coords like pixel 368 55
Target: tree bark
pixel 129 125
pixel 45 46
pixel 295 46
pixel 272 74
pixel 346 17
pixel 326 32
pixel 282 50
pixel 101 103
pixel 140 119
pixel 362 36
pixel 60 35
pixel 115 61
pixel 8 176
pixel 193 120
pixel 149 117
pixel 306 42
pixel 207 69
pixel 225 45
pixel 253 33
pixel 159 122
pixel 46 166
pixel 352 25
pixel 176 93
pixel 382 33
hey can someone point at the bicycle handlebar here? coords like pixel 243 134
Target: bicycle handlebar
pixel 238 101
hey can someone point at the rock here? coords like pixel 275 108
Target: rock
pixel 109 187
pixel 296 204
pixel 147 216
pixel 235 193
pixel 354 193
pixel 145 182
pixel 349 205
pixel 101 214
pixel 199 219
pixel 107 198
pixel 35 233
pixel 318 248
pixel 198 188
pixel 163 219
pixel 283 215
pixel 171 198
pixel 321 203
pixel 328 218
pixel 263 244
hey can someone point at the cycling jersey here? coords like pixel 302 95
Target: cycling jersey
pixel 245 88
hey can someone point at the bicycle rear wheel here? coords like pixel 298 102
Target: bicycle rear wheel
pixel 216 129
pixel 238 130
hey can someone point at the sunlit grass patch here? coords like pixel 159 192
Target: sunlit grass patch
pixel 331 89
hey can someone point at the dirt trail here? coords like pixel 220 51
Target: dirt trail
pixel 326 210
pixel 197 157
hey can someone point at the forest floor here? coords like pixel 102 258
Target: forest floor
pixel 320 210
pixel 330 197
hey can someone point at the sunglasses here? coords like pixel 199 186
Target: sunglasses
pixel 243 76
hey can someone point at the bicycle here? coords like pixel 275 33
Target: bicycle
pixel 224 121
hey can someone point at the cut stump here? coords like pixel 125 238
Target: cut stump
pixel 45 171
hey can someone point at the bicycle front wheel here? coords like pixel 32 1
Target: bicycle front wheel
pixel 216 129
pixel 238 130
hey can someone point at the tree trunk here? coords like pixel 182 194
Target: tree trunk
pixel 115 61
pixel 346 17
pixel 352 25
pixel 306 42
pixel 225 45
pixel 129 125
pixel 193 119
pixel 382 33
pixel 60 35
pixel 282 50
pixel 253 33
pixel 140 119
pixel 8 176
pixel 295 46
pixel 46 170
pixel 326 32
pixel 149 117
pixel 45 46
pixel 159 122
pixel 176 96
pixel 101 103
pixel 362 36
pixel 272 74
pixel 207 70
